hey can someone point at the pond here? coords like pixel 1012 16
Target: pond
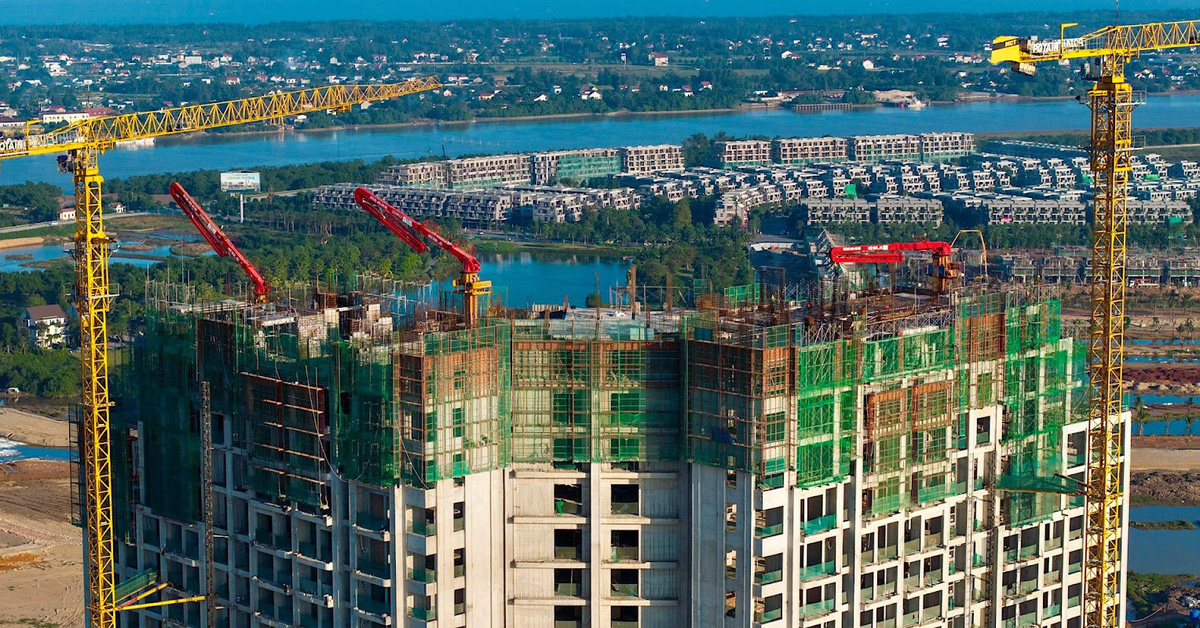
pixel 1165 551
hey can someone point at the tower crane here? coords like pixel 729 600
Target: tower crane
pixel 80 145
pixel 1111 101
pixel 468 283
pixel 219 242
pixel 893 253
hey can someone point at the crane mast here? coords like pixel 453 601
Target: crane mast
pixel 83 142
pixel 1111 101
pixel 220 243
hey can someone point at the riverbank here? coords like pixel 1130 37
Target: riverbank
pixel 33 429
pixel 624 113
pixel 489 246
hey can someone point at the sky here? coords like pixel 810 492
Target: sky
pixel 259 11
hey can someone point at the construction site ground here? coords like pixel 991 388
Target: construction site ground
pixel 41 554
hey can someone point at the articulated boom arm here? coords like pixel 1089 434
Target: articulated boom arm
pixel 102 133
pixel 891 253
pixel 399 222
pixel 217 239
pixel 383 212
pixel 1123 41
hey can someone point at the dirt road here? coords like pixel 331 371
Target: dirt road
pixel 1162 459
pixel 41 566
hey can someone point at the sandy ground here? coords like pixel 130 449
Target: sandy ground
pixel 1158 459
pixel 33 429
pixel 13 243
pixel 41 566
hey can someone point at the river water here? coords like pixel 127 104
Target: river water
pixel 1165 551
pixel 277 149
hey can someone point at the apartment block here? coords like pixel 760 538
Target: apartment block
pixel 937 147
pixel 907 209
pixel 486 172
pixel 877 148
pixel 809 150
pixel 374 462
pixel 426 174
pixel 472 208
pixel 1158 212
pixel 733 154
pixel 577 166
pixel 826 211
pixel 651 159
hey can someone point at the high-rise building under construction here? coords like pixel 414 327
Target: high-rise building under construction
pixel 895 461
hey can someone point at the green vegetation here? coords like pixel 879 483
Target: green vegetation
pixel 1178 524
pixel 37 202
pixel 48 373
pixel 1149 590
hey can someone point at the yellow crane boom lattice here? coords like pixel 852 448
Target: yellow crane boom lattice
pixel 84 141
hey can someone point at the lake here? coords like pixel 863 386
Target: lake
pixel 1165 551
pixel 14 260
pixel 12 450
pixel 455 139
pixel 521 279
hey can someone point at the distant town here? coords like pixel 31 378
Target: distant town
pixel 53 76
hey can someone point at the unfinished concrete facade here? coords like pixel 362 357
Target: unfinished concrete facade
pixel 712 467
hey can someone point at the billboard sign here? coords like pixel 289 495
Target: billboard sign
pixel 240 181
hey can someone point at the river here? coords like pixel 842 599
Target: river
pixel 1165 551
pixel 277 149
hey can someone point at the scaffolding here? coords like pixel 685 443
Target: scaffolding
pixel 376 389
pixel 594 391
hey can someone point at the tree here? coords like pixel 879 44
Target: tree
pixel 682 214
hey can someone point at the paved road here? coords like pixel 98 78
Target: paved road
pixel 57 223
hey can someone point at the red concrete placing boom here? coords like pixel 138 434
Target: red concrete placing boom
pixel 893 253
pixel 218 240
pixel 403 225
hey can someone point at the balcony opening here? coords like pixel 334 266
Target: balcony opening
pixel 460 515
pixel 460 562
pixel 624 545
pixel 460 601
pixel 422 521
pixel 624 617
pixel 568 617
pixel 568 544
pixel 568 499
pixel 568 582
pixel 624 582
pixel 625 499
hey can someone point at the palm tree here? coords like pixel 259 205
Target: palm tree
pixel 1140 415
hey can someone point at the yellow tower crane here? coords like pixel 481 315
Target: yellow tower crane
pixel 80 145
pixel 1111 101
